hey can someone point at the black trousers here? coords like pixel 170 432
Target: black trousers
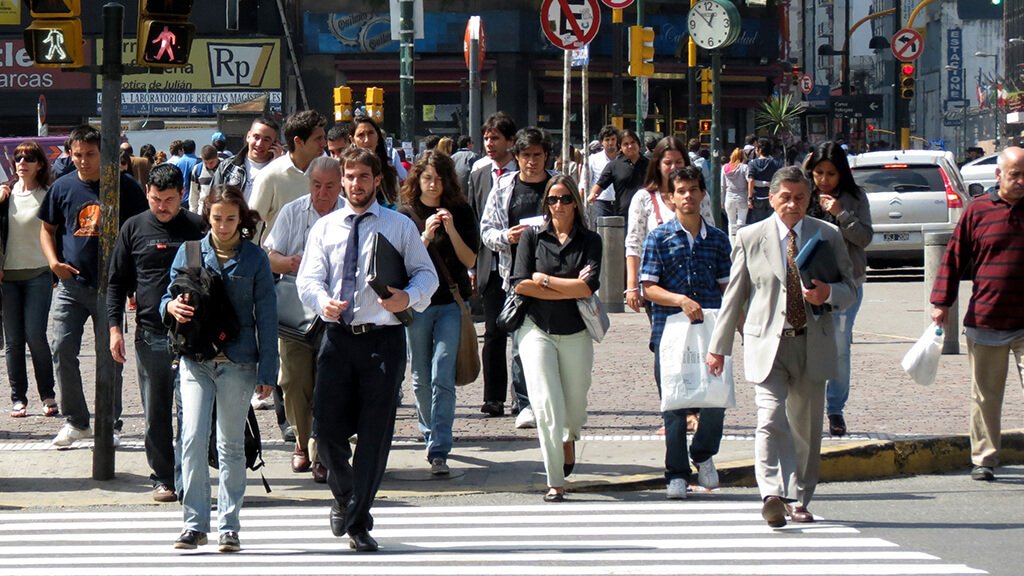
pixel 357 383
pixel 493 357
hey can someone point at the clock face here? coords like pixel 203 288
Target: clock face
pixel 713 23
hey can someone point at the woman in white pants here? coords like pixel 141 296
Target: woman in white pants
pixel 556 265
pixel 734 188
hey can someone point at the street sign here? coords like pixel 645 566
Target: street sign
pixel 580 57
pixel 475 31
pixel 617 3
pixel 570 24
pixel 862 106
pixel 806 83
pixel 907 45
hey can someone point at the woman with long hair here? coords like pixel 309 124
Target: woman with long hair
pixel 650 206
pixel 367 134
pixel 734 190
pixel 841 202
pixel 27 283
pixel 555 266
pixel 248 362
pixel 449 229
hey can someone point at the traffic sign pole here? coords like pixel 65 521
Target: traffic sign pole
pixel 639 84
pixel 716 136
pixel 407 30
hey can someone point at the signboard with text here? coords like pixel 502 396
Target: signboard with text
pixel 862 106
pixel 954 64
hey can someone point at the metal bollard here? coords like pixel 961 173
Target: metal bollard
pixel 613 261
pixel 934 247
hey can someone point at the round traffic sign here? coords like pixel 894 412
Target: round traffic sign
pixel 570 24
pixel 475 27
pixel 806 83
pixel 907 45
pixel 617 3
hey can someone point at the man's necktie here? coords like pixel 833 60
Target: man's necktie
pixel 348 276
pixel 795 311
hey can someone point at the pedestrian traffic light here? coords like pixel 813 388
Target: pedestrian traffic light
pixel 679 127
pixel 165 34
pixel 907 81
pixel 705 126
pixel 54 39
pixel 705 87
pixel 641 51
pixel 342 104
pixel 375 104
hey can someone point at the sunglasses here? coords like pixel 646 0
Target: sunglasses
pixel 25 158
pixel 564 199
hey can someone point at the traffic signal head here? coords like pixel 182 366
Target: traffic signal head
pixel 55 8
pixel 705 126
pixel 375 104
pixel 54 39
pixel 705 87
pixel 907 81
pixel 165 34
pixel 641 51
pixel 342 104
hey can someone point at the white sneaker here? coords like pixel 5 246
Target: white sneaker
pixel 526 419
pixel 676 489
pixel 262 403
pixel 117 438
pixel 68 435
pixel 707 475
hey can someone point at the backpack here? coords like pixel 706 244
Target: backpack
pixel 213 323
pixel 253 445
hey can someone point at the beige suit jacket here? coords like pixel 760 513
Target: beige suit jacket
pixel 756 296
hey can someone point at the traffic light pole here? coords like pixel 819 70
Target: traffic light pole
pixel 617 49
pixel 691 86
pixel 110 194
pixel 716 136
pixel 407 27
pixel 639 84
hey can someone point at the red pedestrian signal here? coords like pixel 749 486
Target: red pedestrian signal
pixel 165 34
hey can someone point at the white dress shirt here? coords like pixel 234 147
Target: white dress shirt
pixel 294 221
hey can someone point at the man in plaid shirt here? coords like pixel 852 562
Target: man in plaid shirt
pixel 686 267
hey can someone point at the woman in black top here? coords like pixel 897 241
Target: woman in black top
pixel 554 267
pixel 449 229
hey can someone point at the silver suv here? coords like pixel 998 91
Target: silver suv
pixel 911 192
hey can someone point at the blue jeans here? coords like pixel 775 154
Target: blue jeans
pixel 519 390
pixel 838 389
pixel 433 347
pixel 706 440
pixel 76 303
pixel 158 387
pixel 231 385
pixel 26 306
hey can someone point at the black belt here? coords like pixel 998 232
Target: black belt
pixel 358 329
pixel 792 332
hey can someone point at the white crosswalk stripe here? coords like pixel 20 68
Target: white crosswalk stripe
pixel 570 539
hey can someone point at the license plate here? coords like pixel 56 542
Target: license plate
pixel 896 236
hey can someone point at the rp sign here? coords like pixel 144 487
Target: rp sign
pixel 570 24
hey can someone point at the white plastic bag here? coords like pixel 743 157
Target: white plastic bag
pixel 921 362
pixel 686 381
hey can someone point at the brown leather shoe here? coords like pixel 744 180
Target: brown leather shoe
pixel 319 473
pixel 799 514
pixel 300 461
pixel 774 512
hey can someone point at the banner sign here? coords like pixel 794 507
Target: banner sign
pixel 954 64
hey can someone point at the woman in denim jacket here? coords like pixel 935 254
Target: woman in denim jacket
pixel 248 361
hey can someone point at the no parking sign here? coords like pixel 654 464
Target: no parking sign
pixel 570 24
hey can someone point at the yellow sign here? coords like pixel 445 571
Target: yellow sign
pixel 214 64
pixel 10 12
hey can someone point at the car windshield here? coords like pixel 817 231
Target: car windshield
pixel 900 178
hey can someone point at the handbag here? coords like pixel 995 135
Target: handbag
pixel 295 321
pixel 594 317
pixel 686 381
pixel 921 362
pixel 513 312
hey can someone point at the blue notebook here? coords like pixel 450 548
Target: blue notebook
pixel 816 261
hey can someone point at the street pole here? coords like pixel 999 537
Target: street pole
pixel 585 117
pixel 845 72
pixel 901 107
pixel 616 109
pixel 566 104
pixel 639 83
pixel 110 194
pixel 474 79
pixel 716 136
pixel 691 85
pixel 407 30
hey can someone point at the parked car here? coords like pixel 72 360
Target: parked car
pixel 981 171
pixel 910 192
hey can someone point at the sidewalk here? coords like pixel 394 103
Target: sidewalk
pixel 896 426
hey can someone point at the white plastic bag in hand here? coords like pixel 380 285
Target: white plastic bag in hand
pixel 922 360
pixel 686 381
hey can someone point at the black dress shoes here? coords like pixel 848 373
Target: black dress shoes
pixel 799 514
pixel 774 512
pixel 493 408
pixel 362 542
pixel 836 425
pixel 337 520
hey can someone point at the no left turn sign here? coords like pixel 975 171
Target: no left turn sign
pixel 570 24
pixel 907 45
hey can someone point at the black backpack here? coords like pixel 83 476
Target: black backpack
pixel 253 445
pixel 213 323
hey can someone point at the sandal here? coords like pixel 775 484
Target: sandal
pixel 50 407
pixel 20 410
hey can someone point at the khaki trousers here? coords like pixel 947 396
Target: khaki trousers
pixel 298 373
pixel 988 386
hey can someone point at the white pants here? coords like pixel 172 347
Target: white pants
pixel 558 372
pixel 736 212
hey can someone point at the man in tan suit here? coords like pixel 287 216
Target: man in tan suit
pixel 788 348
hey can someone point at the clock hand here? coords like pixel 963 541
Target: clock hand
pixel 707 17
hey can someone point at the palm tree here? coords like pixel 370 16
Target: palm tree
pixel 778 115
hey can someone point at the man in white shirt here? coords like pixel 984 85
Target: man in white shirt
pixel 604 203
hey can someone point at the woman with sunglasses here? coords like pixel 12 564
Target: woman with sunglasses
pixel 27 284
pixel 555 266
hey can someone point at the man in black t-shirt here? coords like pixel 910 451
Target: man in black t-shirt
pixel 71 209
pixel 626 173
pixel 141 263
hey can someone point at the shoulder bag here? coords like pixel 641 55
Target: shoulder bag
pixel 594 316
pixel 295 321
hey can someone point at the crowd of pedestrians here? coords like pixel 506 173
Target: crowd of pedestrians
pixel 305 219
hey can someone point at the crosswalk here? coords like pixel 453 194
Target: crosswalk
pixel 575 538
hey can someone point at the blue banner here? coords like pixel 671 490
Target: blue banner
pixel 954 64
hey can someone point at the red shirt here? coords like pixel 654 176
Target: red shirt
pixel 989 242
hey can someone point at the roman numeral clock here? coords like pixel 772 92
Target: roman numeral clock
pixel 714 24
